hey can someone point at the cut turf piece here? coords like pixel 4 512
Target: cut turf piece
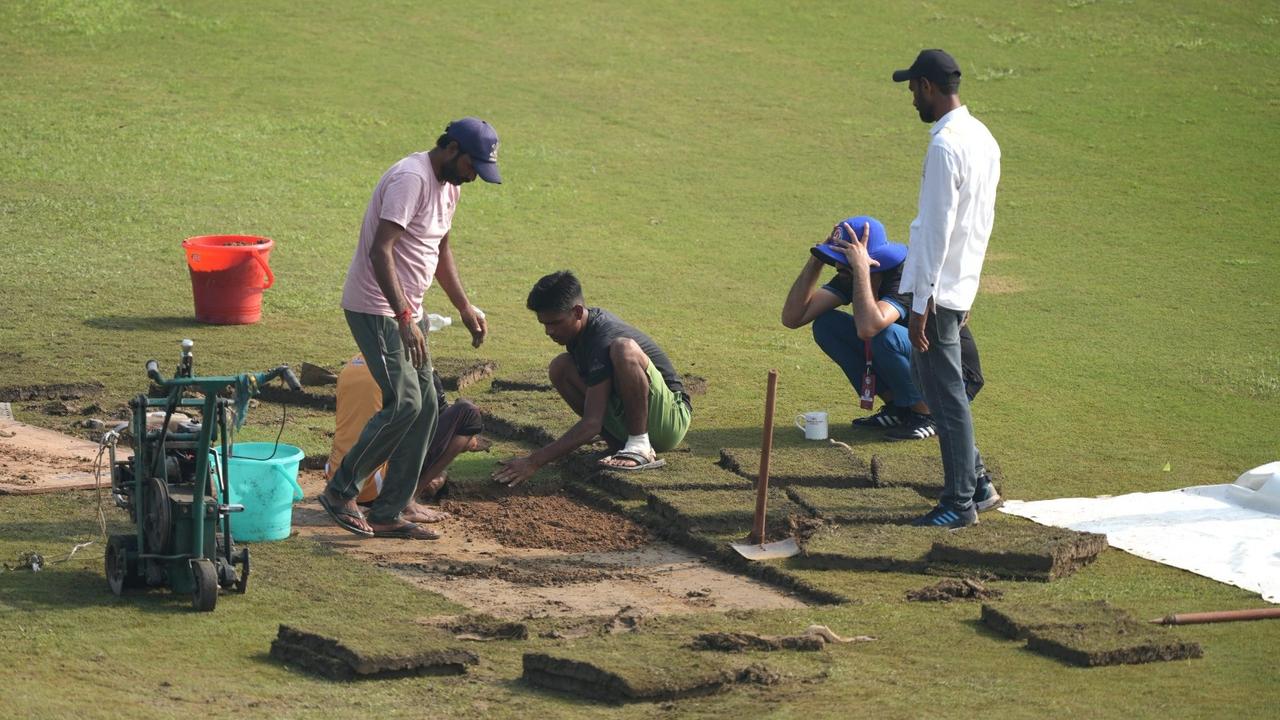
pixel 1015 550
pixel 1124 643
pixel 460 373
pixel 893 505
pixel 743 641
pixel 954 589
pixel 720 510
pixel 537 418
pixel 358 657
pixel 613 674
pixel 485 627
pixel 683 471
pixel 884 548
pixel 817 466
pixel 527 381
pixel 922 472
pixel 1017 620
pixel 319 397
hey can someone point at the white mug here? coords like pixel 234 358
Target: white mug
pixel 814 424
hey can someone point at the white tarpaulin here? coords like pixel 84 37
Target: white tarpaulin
pixel 1208 530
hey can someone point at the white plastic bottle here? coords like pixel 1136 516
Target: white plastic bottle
pixel 436 323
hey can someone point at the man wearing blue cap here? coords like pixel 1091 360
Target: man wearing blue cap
pixel 948 244
pixel 404 245
pixel 871 347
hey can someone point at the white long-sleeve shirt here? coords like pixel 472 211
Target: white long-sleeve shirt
pixel 957 210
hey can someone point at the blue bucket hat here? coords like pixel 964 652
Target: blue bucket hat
pixel 479 140
pixel 889 254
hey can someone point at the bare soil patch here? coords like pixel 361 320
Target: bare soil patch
pixel 476 565
pixel 549 521
pixel 34 460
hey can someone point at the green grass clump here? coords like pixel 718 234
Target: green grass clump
pixel 345 653
pixel 816 465
pixel 1008 547
pixel 1018 619
pixel 537 418
pixel 610 669
pixel 457 373
pixel 868 547
pixel 719 510
pixel 683 471
pixel 861 505
pixel 916 471
pixel 1123 643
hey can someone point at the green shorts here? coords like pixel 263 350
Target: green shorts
pixel 669 415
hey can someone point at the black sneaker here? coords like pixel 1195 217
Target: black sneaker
pixel 914 427
pixel 889 416
pixel 947 517
pixel 985 497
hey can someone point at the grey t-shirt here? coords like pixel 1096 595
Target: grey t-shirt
pixel 590 350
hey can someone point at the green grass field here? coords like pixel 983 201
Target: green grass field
pixel 681 157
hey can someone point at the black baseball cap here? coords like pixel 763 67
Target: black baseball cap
pixel 936 66
pixel 478 139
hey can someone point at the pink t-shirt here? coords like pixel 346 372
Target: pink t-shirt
pixel 410 196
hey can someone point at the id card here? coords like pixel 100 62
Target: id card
pixel 868 398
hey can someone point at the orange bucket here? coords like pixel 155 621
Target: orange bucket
pixel 228 275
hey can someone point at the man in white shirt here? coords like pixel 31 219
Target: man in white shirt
pixel 404 245
pixel 944 261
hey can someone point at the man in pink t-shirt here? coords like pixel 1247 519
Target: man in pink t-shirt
pixel 404 245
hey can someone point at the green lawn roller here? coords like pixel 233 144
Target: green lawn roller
pixel 176 488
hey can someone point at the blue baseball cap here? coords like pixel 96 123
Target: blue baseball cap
pixel 889 254
pixel 478 140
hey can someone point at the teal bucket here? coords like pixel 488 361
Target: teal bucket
pixel 267 486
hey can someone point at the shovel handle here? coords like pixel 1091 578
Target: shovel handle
pixel 766 447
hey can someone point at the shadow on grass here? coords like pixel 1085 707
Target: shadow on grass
pixel 125 322
pixel 55 589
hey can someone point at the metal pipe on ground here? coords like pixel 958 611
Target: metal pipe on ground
pixel 1218 616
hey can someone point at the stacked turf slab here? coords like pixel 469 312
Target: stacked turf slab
pixel 1088 634
pixel 609 673
pixel 1009 548
pixel 811 466
pixel 362 655
pixel 877 547
pixel 894 505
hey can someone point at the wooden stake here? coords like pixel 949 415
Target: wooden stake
pixel 766 446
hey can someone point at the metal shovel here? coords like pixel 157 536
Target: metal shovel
pixel 757 548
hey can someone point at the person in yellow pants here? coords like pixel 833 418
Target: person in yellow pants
pixel 458 430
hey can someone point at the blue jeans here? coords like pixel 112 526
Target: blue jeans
pixel 939 374
pixel 837 335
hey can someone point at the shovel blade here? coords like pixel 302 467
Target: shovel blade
pixel 767 551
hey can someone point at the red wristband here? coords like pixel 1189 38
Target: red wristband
pixel 404 317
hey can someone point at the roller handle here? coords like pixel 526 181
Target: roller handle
pixel 153 372
pixel 291 380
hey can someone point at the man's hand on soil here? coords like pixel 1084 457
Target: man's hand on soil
pixel 515 471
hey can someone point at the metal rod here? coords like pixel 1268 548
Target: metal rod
pixel 1218 616
pixel 766 446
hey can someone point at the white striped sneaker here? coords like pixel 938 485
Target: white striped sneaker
pixel 889 416
pixel 914 427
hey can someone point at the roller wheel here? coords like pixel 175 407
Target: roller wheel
pixel 204 597
pixel 119 575
pixel 242 582
pixel 157 523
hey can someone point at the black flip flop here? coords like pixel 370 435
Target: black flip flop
pixel 406 532
pixel 338 515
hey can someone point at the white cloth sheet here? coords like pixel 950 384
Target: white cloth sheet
pixel 1202 529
